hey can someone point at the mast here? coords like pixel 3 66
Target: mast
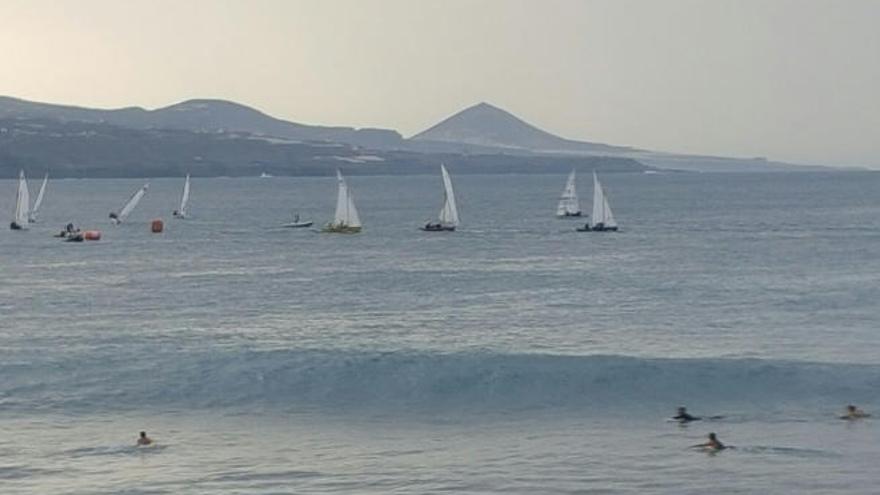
pixel 346 213
pixel 184 199
pixel 449 211
pixel 132 203
pixel 36 209
pixel 568 201
pixel 22 202
pixel 601 209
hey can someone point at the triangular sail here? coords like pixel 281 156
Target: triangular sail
pixel 346 213
pixel 449 211
pixel 568 201
pixel 132 203
pixel 22 202
pixel 184 199
pixel 35 211
pixel 601 209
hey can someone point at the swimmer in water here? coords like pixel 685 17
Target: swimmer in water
pixel 682 416
pixel 853 412
pixel 143 439
pixel 713 444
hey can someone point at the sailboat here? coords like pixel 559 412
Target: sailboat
pixel 448 218
pixel 22 204
pixel 569 206
pixel 35 211
pixel 298 223
pixel 602 219
pixel 346 220
pixel 181 211
pixel 120 217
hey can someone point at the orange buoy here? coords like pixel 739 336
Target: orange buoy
pixel 157 226
pixel 92 235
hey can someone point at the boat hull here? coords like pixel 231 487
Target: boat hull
pixel 297 225
pixel 576 214
pixel 596 228
pixel 437 228
pixel 340 229
pixel 15 226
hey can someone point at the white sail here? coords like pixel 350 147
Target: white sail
pixel 184 199
pixel 35 211
pixel 132 203
pixel 449 212
pixel 346 213
pixel 568 201
pixel 22 202
pixel 601 209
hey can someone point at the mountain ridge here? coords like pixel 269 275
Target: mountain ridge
pixel 200 115
pixel 479 129
pixel 487 125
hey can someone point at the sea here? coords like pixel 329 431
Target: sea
pixel 512 356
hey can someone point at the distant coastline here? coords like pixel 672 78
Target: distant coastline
pixel 221 138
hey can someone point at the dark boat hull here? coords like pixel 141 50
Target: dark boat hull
pixel 597 228
pixel 437 228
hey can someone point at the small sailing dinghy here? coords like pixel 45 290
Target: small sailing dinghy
pixel 182 211
pixel 602 219
pixel 35 211
pixel 569 205
pixel 346 220
pixel 120 217
pixel 447 221
pixel 297 223
pixel 22 205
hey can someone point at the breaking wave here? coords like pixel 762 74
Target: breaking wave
pixel 414 380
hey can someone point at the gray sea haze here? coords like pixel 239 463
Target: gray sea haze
pixel 515 355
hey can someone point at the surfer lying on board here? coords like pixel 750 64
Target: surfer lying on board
pixel 143 439
pixel 682 416
pixel 853 412
pixel 713 444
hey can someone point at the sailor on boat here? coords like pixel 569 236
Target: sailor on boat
pixel 68 229
pixel 71 233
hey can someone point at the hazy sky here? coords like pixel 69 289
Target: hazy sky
pixel 795 80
